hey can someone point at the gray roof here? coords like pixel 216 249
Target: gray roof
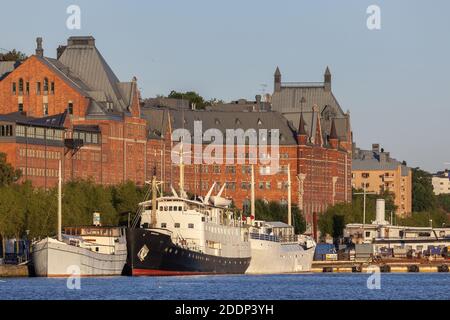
pixel 6 67
pixel 235 120
pixel 54 121
pixel 277 224
pixel 157 119
pixel 85 69
pixel 376 160
pixel 288 102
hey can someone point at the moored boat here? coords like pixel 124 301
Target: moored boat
pixel 80 251
pixel 274 245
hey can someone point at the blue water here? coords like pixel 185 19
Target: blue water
pixel 301 286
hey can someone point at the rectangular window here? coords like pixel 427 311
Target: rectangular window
pixel 38 88
pixel 163 225
pixel 70 108
pixel 52 88
pixel 27 88
pixel 20 131
pixel 14 89
pixel 20 108
pixel 177 225
pixel 45 107
pixel 230 169
pixel 191 226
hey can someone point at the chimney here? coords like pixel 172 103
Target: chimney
pixel 376 147
pixel 39 50
pixel 59 51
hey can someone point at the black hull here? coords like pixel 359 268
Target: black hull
pixel 164 258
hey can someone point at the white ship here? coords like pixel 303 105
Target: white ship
pixel 275 247
pixel 82 251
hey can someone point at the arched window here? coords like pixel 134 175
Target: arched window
pixel 20 86
pixel 45 85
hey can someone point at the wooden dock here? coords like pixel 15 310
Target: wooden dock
pixel 13 271
pixel 400 265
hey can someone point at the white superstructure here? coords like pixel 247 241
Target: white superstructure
pixel 199 226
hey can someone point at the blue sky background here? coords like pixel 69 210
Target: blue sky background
pixel 394 81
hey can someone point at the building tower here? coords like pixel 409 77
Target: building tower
pixel 277 80
pixel 327 79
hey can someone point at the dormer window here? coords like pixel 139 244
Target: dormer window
pixel 237 122
pixel 217 121
pixel 259 122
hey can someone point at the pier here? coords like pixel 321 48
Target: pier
pixel 13 271
pixel 393 266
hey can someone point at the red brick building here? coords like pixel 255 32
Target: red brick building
pixel 73 108
pixel 97 118
pixel 319 162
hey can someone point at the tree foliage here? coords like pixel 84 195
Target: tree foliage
pixel 274 211
pixel 13 55
pixel 423 197
pixel 8 174
pixel 194 98
pixel 24 208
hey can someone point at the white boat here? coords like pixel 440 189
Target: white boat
pixel 80 251
pixel 83 251
pixel 275 248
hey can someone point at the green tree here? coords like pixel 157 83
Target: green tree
pixel 8 174
pixel 13 55
pixel 423 197
pixel 125 198
pixel 192 96
pixel 274 211
pixel 443 201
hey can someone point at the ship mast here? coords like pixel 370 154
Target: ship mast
pixel 253 194
pixel 289 196
pixel 181 170
pixel 59 202
pixel 153 214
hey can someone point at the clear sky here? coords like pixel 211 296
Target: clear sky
pixel 395 81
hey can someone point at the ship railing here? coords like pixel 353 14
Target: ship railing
pixel 264 237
